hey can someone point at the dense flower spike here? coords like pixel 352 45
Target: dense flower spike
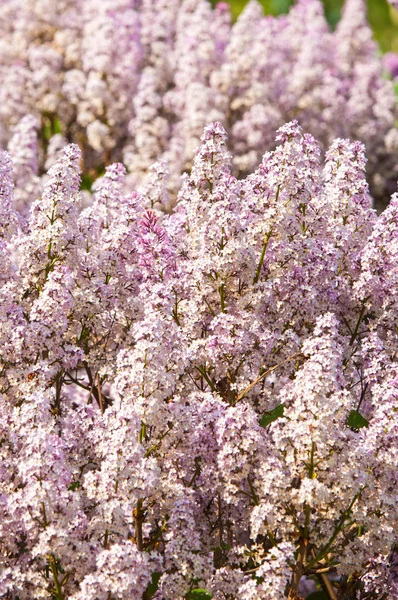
pixel 8 218
pixel 200 404
pixel 52 234
pixel 138 80
pixel 23 149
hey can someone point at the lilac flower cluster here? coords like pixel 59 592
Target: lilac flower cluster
pixel 202 404
pixel 136 81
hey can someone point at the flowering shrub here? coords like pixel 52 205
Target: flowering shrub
pixel 137 81
pixel 202 405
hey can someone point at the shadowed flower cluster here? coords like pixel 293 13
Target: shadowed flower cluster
pixel 136 81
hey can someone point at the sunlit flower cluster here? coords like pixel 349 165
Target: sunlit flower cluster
pixel 203 403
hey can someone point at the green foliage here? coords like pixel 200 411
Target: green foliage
pixel 152 586
pixel 272 415
pixel 198 594
pixel 356 420
pixel 51 126
pixel 87 182
pixel 89 178
pixel 382 17
pixel 195 594
pixel 74 486
pixel 317 596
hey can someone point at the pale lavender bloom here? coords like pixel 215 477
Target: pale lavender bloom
pixel 390 63
pixel 6 195
pixel 192 400
pixel 23 149
pixel 139 80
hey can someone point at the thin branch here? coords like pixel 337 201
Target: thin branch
pixel 204 374
pixel 57 584
pixel 338 529
pixel 263 251
pixel 357 326
pixel 299 568
pixel 139 516
pixel 267 372
pixel 101 402
pixel 327 586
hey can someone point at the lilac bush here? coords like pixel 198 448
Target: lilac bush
pixel 200 404
pixel 136 81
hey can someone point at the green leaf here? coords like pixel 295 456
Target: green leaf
pixel 198 594
pixel 153 585
pixel 57 126
pixel 272 415
pixel 86 182
pixel 47 129
pixel 317 596
pixel 73 486
pixel 356 420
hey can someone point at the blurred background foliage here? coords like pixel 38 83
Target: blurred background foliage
pixel 382 17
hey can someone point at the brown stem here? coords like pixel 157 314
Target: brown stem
pixel 221 529
pixel 327 586
pixel 95 389
pixel 58 388
pixel 100 399
pixel 298 570
pixel 139 516
pixel 217 560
